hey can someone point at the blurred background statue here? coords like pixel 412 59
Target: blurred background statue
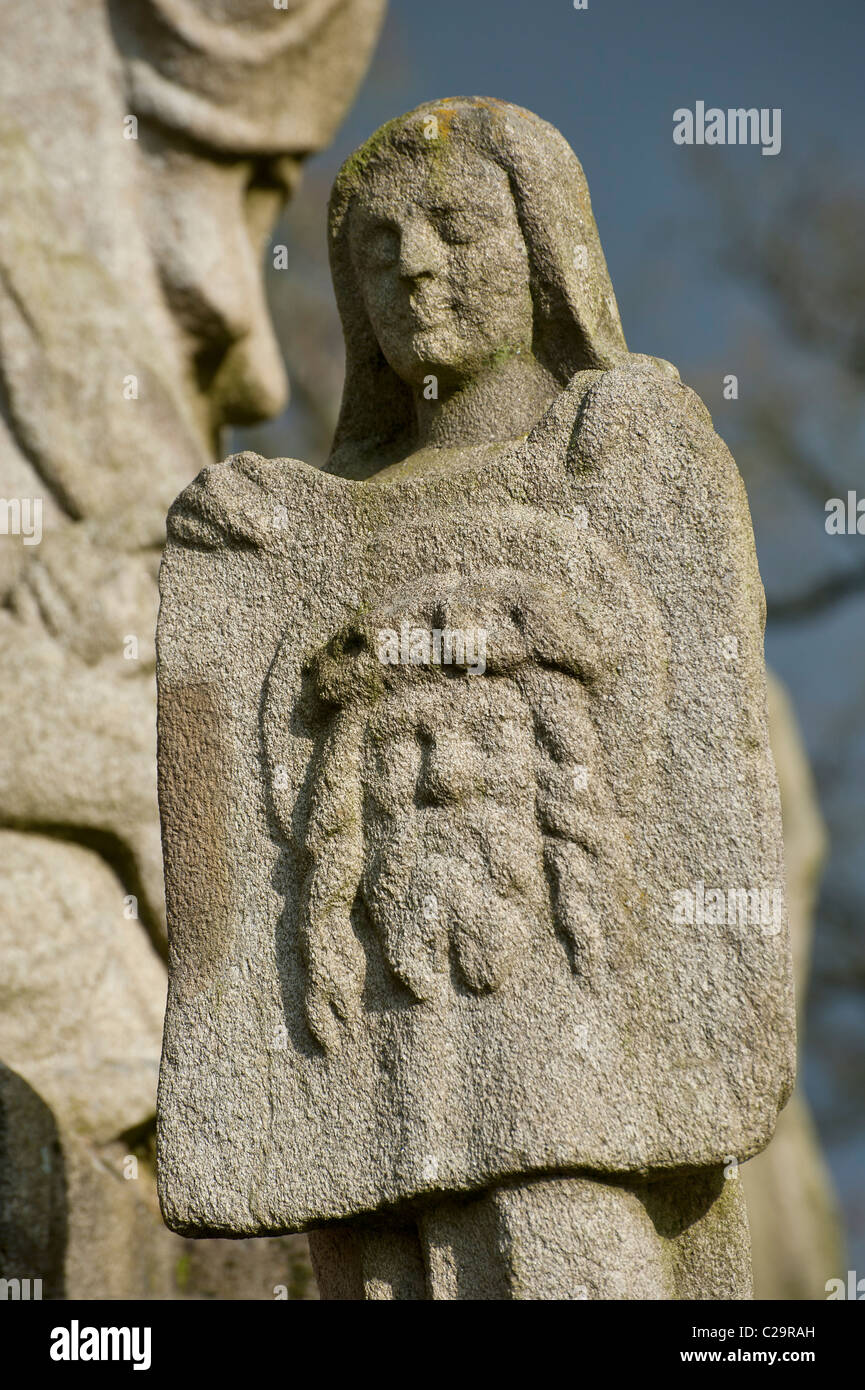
pixel 795 1226
pixel 146 149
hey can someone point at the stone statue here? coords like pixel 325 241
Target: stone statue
pixel 479 967
pixel 146 147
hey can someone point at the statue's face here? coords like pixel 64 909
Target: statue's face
pixel 442 264
pixel 454 856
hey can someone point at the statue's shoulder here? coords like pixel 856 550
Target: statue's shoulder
pixel 643 410
pixel 647 441
pixel 640 389
pixel 244 502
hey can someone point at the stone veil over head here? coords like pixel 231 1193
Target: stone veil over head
pixel 576 323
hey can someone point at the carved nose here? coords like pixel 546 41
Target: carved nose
pixel 251 383
pixel 217 297
pixel 420 251
pixel 447 776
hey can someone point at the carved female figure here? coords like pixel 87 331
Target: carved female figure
pixel 506 1074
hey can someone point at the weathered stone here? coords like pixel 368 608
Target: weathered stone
pixel 81 1002
pixel 501 918
pixel 552 1238
pixel 119 1247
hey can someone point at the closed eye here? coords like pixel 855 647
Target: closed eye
pixel 459 226
pixel 382 246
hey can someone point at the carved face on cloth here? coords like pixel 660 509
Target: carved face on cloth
pixel 453 857
pixel 488 821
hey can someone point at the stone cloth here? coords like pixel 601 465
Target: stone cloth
pixel 674 1052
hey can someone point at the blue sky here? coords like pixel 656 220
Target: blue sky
pixel 610 78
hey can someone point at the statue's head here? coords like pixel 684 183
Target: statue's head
pixel 441 262
pixel 461 796
pixel 151 144
pixel 459 234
